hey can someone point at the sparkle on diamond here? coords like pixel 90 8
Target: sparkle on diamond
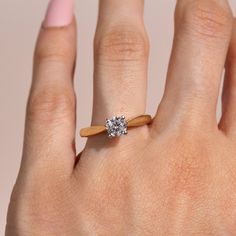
pixel 116 126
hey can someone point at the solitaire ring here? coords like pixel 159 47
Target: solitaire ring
pixel 116 126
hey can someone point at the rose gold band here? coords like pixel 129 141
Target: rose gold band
pixel 134 122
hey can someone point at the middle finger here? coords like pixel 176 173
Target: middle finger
pixel 202 33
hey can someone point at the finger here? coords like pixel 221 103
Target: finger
pixel 228 120
pixel 50 121
pixel 121 55
pixel 202 34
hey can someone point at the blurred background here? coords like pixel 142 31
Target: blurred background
pixel 19 25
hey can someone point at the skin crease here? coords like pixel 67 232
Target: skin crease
pixel 174 177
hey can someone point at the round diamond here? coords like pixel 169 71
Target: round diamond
pixel 116 126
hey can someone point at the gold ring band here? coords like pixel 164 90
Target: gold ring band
pixel 134 122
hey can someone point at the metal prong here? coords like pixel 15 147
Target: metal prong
pixel 110 136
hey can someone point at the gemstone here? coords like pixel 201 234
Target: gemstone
pixel 116 126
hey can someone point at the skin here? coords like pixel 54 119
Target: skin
pixel 174 177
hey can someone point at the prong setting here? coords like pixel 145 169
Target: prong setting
pixel 116 126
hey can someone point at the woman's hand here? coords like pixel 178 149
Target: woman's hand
pixel 174 177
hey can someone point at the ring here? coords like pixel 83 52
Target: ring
pixel 116 126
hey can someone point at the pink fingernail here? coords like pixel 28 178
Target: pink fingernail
pixel 59 13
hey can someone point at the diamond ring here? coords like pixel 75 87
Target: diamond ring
pixel 116 126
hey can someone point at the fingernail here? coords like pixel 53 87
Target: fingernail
pixel 59 13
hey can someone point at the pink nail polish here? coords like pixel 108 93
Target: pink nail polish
pixel 59 13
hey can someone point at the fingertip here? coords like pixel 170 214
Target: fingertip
pixel 59 13
pixel 57 43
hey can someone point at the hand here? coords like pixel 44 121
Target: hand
pixel 174 177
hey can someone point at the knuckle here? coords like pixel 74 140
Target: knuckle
pixel 58 51
pixel 122 43
pixel 51 104
pixel 206 19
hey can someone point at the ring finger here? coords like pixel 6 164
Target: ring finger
pixel 120 72
pixel 121 55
